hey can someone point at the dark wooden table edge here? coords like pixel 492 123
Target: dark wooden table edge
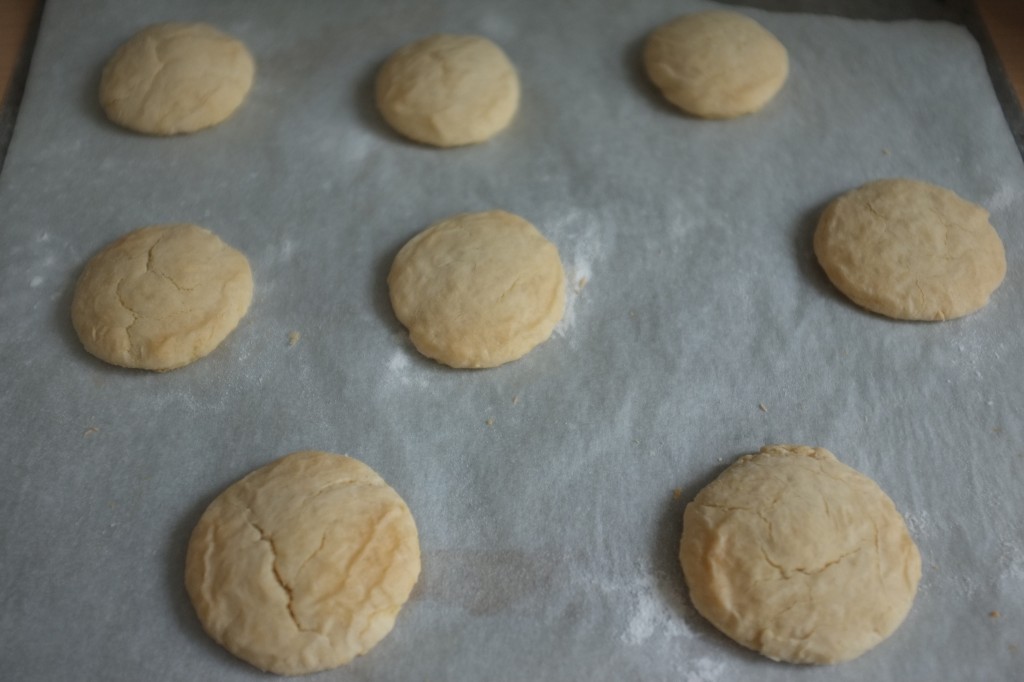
pixel 16 89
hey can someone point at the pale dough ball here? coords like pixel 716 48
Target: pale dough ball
pixel 716 64
pixel 797 556
pixel 478 289
pixel 448 90
pixel 175 78
pixel 161 297
pixel 910 250
pixel 303 564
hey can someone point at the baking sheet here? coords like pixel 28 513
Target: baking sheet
pixel 549 534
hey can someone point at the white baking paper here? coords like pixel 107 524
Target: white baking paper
pixel 544 489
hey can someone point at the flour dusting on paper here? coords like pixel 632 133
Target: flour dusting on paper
pixel 580 248
pixel 1011 562
pixel 1001 199
pixel 402 371
pixel 705 670
pixel 651 613
pixel 917 523
pixel 399 362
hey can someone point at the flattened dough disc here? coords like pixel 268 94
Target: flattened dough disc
pixel 910 250
pixel 796 555
pixel 161 297
pixel 716 64
pixel 478 289
pixel 448 90
pixel 176 78
pixel 303 564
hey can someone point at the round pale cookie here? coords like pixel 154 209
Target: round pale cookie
pixel 796 555
pixel 910 250
pixel 716 64
pixel 448 90
pixel 303 564
pixel 175 78
pixel 478 289
pixel 161 297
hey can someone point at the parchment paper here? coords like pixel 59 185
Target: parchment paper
pixel 549 535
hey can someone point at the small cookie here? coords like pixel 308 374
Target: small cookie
pixel 478 289
pixel 448 90
pixel 716 64
pixel 796 555
pixel 910 250
pixel 303 564
pixel 175 78
pixel 161 297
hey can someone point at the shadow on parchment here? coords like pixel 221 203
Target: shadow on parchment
pixel 807 262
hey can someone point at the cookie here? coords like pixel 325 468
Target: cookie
pixel 910 250
pixel 448 90
pixel 161 297
pixel 303 564
pixel 799 557
pixel 716 64
pixel 175 78
pixel 478 289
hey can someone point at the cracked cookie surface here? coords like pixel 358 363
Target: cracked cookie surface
pixel 795 555
pixel 716 64
pixel 175 78
pixel 448 90
pixel 303 564
pixel 478 289
pixel 910 250
pixel 161 297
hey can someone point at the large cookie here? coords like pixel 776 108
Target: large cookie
pixel 303 564
pixel 799 557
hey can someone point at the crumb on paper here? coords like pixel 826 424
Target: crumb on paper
pixel 582 282
pixel 636 443
pixel 515 400
pixel 293 338
pixel 761 407
pixel 886 151
pixel 994 614
pixel 90 430
pixel 677 493
pixel 490 421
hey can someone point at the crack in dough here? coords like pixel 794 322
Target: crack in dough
pixel 161 297
pixel 176 78
pixel 817 567
pixel 303 564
